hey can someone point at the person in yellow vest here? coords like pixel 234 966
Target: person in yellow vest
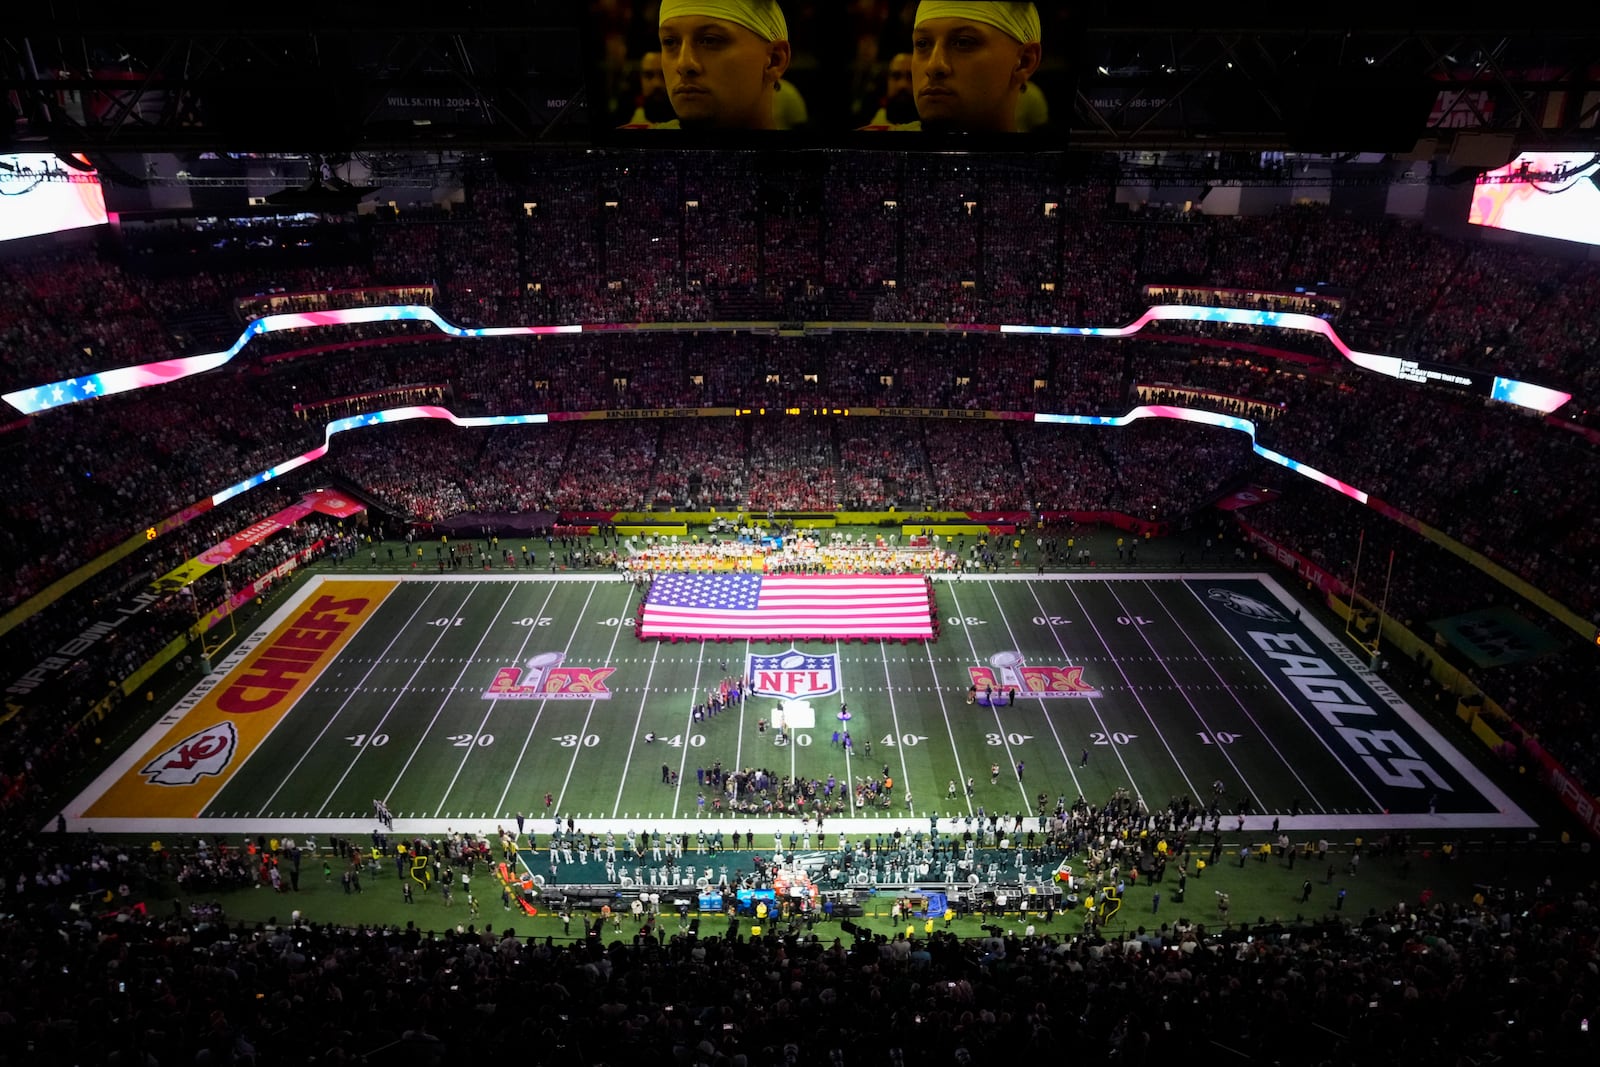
pixel 722 61
pixel 969 62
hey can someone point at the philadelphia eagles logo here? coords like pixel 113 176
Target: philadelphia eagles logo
pixel 1247 606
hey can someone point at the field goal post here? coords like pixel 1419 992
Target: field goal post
pixel 1364 624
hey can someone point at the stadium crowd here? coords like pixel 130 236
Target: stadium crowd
pixel 623 238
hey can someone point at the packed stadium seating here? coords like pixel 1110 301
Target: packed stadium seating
pixel 623 238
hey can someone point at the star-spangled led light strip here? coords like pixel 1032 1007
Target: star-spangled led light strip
pixel 76 390
pixel 374 418
pixel 431 411
pixel 1208 418
pixel 144 375
pixel 1523 394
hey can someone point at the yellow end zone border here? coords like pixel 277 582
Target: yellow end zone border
pixel 184 760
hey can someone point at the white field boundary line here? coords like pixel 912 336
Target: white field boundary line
pixel 1255 825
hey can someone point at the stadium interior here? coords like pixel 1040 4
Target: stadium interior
pixel 1280 311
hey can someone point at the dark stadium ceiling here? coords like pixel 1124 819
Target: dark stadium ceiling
pixel 483 76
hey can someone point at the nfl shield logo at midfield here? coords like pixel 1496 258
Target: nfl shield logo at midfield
pixel 794 674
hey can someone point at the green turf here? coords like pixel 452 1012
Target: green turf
pixel 401 715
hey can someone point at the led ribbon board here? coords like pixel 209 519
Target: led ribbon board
pixel 75 390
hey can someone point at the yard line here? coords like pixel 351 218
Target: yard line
pixel 1376 803
pixel 1004 740
pixel 1048 718
pixel 643 696
pixel 738 744
pixel 1087 617
pixel 961 776
pixel 1199 716
pixel 1244 707
pixel 345 703
pixel 848 785
pixel 688 729
pixel 1067 658
pixel 905 774
pixel 577 624
pixel 494 704
pixel 583 731
pixel 465 666
pixel 390 710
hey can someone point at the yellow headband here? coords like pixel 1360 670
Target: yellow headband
pixel 764 18
pixel 1019 21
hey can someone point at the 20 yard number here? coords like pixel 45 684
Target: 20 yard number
pixel 1111 739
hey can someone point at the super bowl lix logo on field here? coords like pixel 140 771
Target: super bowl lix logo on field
pixel 545 679
pixel 794 675
pixel 1006 672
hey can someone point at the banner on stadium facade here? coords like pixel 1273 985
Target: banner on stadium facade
pixel 1573 796
pixel 256 588
pixel 322 501
pixel 1314 573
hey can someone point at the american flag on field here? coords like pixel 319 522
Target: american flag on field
pixel 787 605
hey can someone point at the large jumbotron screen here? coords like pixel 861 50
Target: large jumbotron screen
pixel 1547 194
pixel 38 194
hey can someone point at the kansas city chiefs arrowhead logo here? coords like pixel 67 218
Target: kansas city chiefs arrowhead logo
pixel 199 754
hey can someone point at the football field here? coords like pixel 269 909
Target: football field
pixel 462 702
